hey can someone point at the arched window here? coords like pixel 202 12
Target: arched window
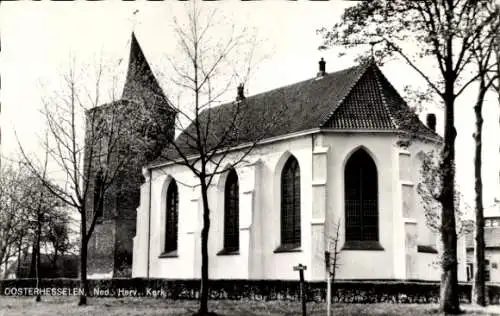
pixel 290 204
pixel 361 198
pixel 231 213
pixel 172 217
pixel 98 194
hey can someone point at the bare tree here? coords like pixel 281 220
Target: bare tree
pixel 22 246
pixel 40 205
pixel 332 257
pixel 420 99
pixel 444 33
pixel 87 147
pixel 485 61
pixel 13 227
pixel 212 63
pixel 57 237
pixel 49 232
pixel 428 188
pixel 25 206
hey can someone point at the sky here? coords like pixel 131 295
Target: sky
pixel 38 39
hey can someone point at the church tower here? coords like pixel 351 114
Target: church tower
pixel 110 247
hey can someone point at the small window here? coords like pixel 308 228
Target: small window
pixel 487 223
pixel 470 271
pixel 495 223
pixel 486 270
pixel 98 194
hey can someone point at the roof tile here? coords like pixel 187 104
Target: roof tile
pixel 358 98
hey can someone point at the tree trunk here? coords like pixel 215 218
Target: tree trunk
pixel 54 259
pixel 5 271
pixel 32 273
pixel 83 262
pixel 449 283
pixel 38 236
pixel 497 45
pixel 478 296
pixel 204 252
pixel 6 263
pixel 19 249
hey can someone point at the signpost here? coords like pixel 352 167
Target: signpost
pixel 301 269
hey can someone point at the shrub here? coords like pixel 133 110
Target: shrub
pixel 268 290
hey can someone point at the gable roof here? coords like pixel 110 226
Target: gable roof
pixel 356 98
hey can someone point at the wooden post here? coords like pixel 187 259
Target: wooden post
pixel 301 269
pixel 328 295
pixel 328 281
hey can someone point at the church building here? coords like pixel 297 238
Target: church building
pixel 345 153
pixel 110 245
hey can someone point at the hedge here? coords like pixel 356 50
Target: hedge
pixel 343 291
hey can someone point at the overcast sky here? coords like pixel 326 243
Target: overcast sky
pixel 37 39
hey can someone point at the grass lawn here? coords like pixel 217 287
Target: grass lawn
pixel 150 306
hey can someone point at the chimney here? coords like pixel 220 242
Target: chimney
pixel 240 94
pixel 322 67
pixel 431 121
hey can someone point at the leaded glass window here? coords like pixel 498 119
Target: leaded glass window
pixel 361 198
pixel 290 203
pixel 172 217
pixel 231 213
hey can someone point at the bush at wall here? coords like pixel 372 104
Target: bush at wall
pixel 344 291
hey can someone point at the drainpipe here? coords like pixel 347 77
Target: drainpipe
pixel 149 221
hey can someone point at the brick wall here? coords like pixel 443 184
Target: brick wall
pixel 101 248
pixel 110 247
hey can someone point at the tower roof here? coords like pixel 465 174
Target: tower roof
pixel 141 84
